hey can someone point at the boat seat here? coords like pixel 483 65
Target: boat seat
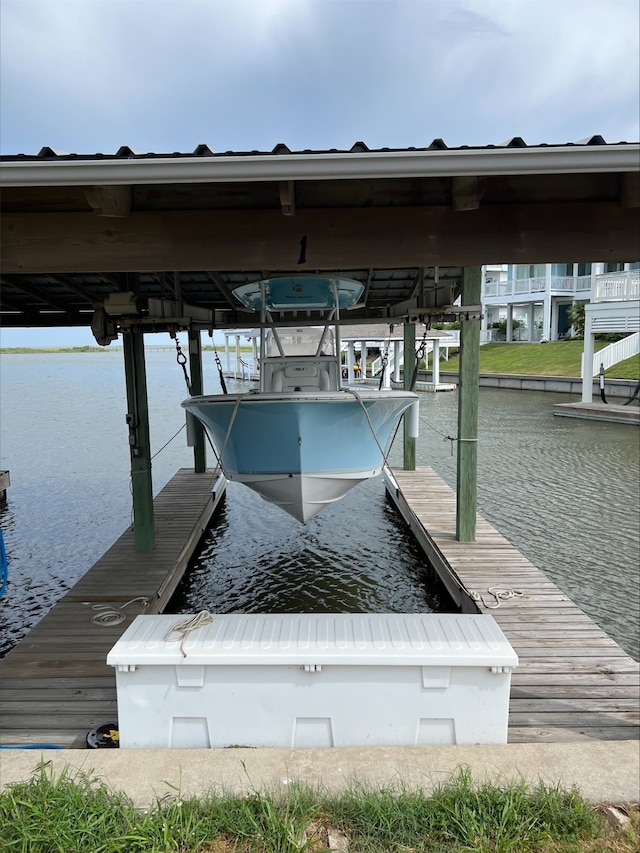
pixel 301 377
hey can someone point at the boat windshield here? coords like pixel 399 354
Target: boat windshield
pixel 301 341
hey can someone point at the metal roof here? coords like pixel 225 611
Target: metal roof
pixel 187 228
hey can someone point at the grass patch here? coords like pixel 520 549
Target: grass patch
pixel 75 813
pixel 556 358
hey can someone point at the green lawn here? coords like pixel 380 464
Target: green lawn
pixel 556 358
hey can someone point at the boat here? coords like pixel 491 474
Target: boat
pixel 303 440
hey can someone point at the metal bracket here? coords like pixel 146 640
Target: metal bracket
pixel 312 667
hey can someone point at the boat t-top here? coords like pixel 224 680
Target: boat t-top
pixel 301 441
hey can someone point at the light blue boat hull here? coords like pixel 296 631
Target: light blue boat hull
pixel 301 450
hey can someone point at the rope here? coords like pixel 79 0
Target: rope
pixel 231 422
pixel 633 396
pixel 109 614
pixel 168 442
pixel 183 628
pixel 500 594
pixel 364 409
pixel 445 438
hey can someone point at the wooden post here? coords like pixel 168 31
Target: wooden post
pixel 195 369
pixel 139 445
pixel 407 375
pixel 467 481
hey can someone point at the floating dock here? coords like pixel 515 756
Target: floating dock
pixel 55 685
pixel 573 682
pixel 611 412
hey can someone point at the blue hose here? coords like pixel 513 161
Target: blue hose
pixel 4 566
pixel 33 746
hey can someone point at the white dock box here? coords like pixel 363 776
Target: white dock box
pixel 311 680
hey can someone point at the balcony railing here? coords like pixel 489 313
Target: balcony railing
pixel 526 286
pixel 617 286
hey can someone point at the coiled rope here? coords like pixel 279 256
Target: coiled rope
pixel 185 626
pixel 109 614
pixel 499 593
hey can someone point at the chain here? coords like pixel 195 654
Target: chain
pixel 384 361
pixel 223 384
pixel 419 356
pixel 182 361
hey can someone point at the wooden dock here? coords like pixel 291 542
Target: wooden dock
pixel 55 685
pixel 573 681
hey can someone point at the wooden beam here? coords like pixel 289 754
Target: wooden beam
pixel 466 192
pixel 468 382
pixel 344 238
pixel 40 293
pixel 109 201
pixel 139 441
pixel 630 189
pixel 224 289
pixel 288 197
pixel 409 344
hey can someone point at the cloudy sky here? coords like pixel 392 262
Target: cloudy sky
pixel 89 76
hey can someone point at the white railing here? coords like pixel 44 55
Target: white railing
pixel 564 283
pixel 524 286
pixel 529 285
pixel 616 352
pixel 617 286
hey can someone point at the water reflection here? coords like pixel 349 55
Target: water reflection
pixel 565 492
pixel 355 557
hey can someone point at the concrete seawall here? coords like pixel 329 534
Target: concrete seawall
pixel 618 388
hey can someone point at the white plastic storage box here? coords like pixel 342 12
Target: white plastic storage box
pixel 311 680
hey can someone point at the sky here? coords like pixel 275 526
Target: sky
pixel 89 76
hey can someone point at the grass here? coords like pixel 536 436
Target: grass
pixel 556 358
pixel 73 813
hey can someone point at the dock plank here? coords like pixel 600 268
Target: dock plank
pixel 573 682
pixel 55 685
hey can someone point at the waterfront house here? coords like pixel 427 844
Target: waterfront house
pixel 531 302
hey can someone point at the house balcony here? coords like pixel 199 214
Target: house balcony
pixel 534 289
pixel 617 286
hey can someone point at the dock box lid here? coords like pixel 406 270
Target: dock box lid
pixel 340 639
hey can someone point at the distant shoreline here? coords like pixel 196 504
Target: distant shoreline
pixel 22 350
pixel 43 350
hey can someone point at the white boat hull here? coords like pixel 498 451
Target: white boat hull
pixel 301 451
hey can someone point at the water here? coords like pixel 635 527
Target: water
pixel 565 492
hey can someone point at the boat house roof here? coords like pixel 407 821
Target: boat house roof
pixel 180 231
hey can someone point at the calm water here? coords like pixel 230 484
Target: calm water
pixel 565 492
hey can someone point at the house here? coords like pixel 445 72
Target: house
pixel 531 302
